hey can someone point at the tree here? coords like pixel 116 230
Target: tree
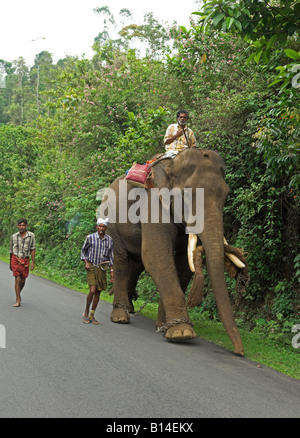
pixel 266 25
pixel 104 42
pixel 41 74
pixel 151 32
pixel 16 109
pixel 271 29
pixel 6 88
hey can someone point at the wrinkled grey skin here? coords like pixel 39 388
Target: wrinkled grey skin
pixel 160 248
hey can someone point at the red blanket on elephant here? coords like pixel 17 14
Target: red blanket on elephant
pixel 138 174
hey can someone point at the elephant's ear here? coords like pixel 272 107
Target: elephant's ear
pixel 161 173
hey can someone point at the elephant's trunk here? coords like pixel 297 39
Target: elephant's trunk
pixel 212 241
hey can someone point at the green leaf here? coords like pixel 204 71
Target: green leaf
pixel 257 44
pixel 229 22
pixel 250 58
pixel 238 24
pixel 282 37
pixel 266 55
pixel 275 82
pixel 292 54
pixel 271 41
pixel 218 18
pixel 280 68
pixel 246 12
pixel 199 13
pixel 208 16
pixel 257 56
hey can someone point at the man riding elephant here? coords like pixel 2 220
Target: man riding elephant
pixel 178 136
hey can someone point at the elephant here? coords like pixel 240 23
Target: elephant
pixel 161 247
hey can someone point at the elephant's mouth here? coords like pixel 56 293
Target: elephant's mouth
pixel 192 244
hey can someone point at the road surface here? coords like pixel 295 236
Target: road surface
pixel 54 366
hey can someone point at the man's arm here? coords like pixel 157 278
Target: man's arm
pixel 111 261
pixel 32 259
pixel 169 138
pixel 32 251
pixel 83 254
pixel 10 252
pixel 193 140
pixel 112 275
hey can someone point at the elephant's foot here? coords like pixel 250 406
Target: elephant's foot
pixel 180 333
pixel 239 352
pixel 120 315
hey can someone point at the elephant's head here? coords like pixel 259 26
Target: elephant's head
pixel 194 169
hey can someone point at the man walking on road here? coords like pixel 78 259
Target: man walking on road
pixel 22 246
pixel 98 255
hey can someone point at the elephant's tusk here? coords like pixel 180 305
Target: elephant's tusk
pixel 192 243
pixel 235 260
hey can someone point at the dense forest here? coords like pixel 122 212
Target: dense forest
pixel 67 129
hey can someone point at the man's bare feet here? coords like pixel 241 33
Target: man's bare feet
pixel 17 304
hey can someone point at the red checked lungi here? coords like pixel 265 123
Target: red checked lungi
pixel 20 267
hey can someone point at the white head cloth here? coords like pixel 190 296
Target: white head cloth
pixel 103 221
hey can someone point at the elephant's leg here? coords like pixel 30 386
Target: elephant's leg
pixel 184 274
pixel 120 311
pixel 182 331
pixel 135 270
pixel 178 326
pixel 161 316
pixel 126 275
pixel 172 316
pixel 158 259
pixel 182 265
pixel 179 332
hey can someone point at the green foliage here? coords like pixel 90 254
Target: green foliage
pixel 278 141
pixel 262 23
pixel 90 120
pixel 143 137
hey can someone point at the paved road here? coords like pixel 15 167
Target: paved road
pixel 56 366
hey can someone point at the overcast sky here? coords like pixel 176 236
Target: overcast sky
pixel 68 27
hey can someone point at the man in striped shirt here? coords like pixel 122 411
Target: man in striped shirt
pixel 22 246
pixel 98 255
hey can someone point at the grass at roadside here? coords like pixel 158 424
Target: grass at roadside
pixel 266 352
pixel 284 359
